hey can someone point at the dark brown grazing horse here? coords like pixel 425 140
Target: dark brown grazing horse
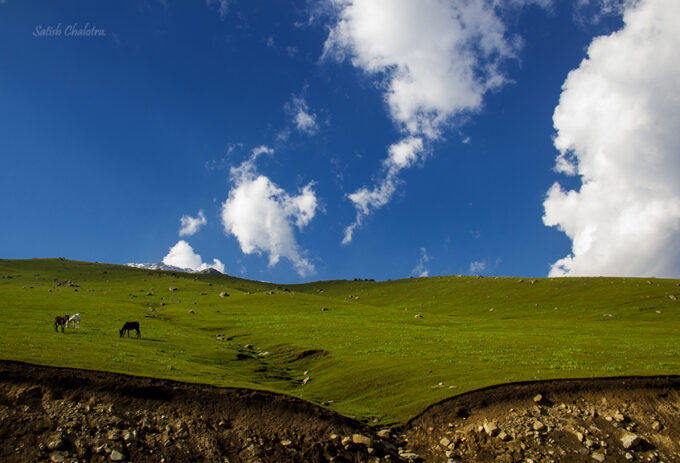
pixel 130 326
pixel 60 321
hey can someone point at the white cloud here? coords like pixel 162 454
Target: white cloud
pixel 437 57
pixel 593 10
pixel 436 60
pixel 477 266
pixel 261 215
pixel 304 119
pixel 618 129
pixel 257 152
pixel 222 6
pixel 182 255
pixel 401 155
pixel 191 225
pixel 420 270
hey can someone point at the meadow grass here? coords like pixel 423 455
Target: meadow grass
pixel 378 362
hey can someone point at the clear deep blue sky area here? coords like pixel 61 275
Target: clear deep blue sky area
pixel 308 140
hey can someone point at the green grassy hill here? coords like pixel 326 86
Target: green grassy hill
pixel 367 355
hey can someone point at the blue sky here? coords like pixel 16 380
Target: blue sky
pixel 272 118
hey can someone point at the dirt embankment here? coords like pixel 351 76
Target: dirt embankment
pixel 67 415
pixel 612 420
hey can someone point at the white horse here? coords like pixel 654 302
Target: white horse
pixel 75 319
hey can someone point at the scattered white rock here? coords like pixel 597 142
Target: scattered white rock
pixel 630 440
pixel 598 456
pixel 117 456
pixel 490 428
pixel 361 439
pixel 408 455
pixel 384 433
pixel 56 444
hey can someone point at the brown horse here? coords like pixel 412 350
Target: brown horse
pixel 60 321
pixel 130 326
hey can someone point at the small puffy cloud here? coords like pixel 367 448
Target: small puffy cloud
pixel 618 129
pixel 404 153
pixel 477 266
pixel 435 61
pixel 420 270
pixel 303 118
pixel 191 225
pixel 262 216
pixel 182 255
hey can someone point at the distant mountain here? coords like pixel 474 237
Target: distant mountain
pixel 162 266
pixel 210 271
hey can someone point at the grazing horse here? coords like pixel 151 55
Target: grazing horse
pixel 130 326
pixel 60 321
pixel 75 319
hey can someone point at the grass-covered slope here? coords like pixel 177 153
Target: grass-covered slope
pixel 366 355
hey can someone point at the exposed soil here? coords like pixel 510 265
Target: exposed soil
pixel 565 420
pixel 61 414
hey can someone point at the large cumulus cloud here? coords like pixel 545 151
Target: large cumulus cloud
pixel 262 215
pixel 618 129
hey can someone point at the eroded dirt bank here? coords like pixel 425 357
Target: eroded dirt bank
pixel 612 420
pixel 50 414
